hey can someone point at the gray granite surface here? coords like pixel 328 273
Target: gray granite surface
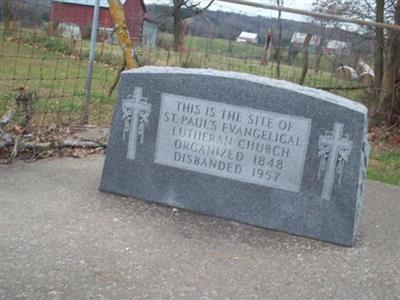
pixel 255 150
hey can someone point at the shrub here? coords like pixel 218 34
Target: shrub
pixel 164 41
pixel 86 33
pixel 53 43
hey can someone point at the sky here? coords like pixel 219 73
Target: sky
pixel 302 4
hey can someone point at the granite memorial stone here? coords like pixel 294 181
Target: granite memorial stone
pixel 241 147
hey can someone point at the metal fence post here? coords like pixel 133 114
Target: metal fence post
pixel 92 54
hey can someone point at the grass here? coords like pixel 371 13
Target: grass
pixel 55 68
pixel 228 55
pixel 203 52
pixel 385 167
pixel 229 48
pixel 57 78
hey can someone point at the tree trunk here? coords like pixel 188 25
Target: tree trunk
pixel 177 23
pixel 279 41
pixel 320 49
pixel 305 58
pixel 181 40
pixel 121 29
pixel 379 46
pixel 267 48
pixel 182 10
pixel 16 15
pixel 389 104
pixel 177 32
pixel 7 15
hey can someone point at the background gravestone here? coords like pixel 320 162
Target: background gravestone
pixel 261 151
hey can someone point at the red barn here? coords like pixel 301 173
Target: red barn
pixel 80 13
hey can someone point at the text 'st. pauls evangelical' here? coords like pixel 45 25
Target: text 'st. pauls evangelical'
pixel 243 144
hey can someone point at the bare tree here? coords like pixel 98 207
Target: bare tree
pixel 8 15
pixel 305 58
pixel 386 54
pixel 16 15
pixel 182 10
pixel 278 40
pixel 379 46
pixel 334 7
pixel 320 47
pixel 267 48
pixel 389 104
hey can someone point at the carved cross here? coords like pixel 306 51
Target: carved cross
pixel 135 113
pixel 334 151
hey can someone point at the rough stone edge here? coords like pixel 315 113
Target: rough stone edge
pixel 364 157
pixel 320 94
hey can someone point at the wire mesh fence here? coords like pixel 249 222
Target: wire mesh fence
pixel 47 60
pixel 50 63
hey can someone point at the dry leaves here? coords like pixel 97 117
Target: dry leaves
pixel 45 142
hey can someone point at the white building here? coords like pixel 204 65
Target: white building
pixel 337 47
pixel 69 30
pixel 247 37
pixel 299 37
pixel 149 34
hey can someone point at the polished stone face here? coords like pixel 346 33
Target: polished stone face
pixel 241 147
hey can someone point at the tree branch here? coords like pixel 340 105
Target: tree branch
pixel 6 139
pixel 7 118
pixel 198 11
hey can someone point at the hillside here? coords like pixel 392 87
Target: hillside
pixel 213 24
pixel 226 25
